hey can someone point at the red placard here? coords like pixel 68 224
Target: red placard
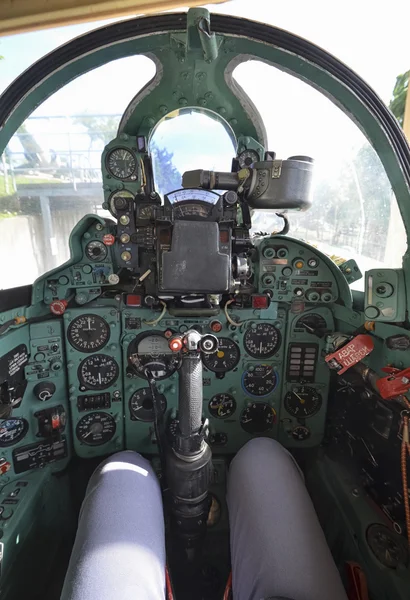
pixel 350 354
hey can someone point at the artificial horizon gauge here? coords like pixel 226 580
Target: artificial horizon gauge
pixel 261 340
pixel 222 406
pixel 225 358
pixel 12 431
pixel 142 405
pixel 259 381
pixel 95 429
pixel 150 351
pixel 98 372
pixel 88 333
pixel 114 196
pixel 121 163
pixel 302 402
pixel 96 250
pixel 257 417
pixel 247 157
pixel 193 195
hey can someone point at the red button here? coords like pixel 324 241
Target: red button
pixel 216 326
pixel 134 300
pixel 109 239
pixel 260 301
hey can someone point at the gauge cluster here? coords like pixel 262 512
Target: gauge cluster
pixel 266 378
pixel 94 366
pixel 290 271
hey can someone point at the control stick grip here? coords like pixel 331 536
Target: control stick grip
pixel 190 395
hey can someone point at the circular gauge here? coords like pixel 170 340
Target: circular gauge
pixel 96 250
pixel 146 211
pixel 222 406
pixel 311 322
pixel 247 157
pixel 261 381
pixel 387 546
pixel 142 405
pixel 114 196
pixel 301 433
pixel 257 417
pixel 88 333
pixel 121 163
pixel 12 431
pixel 151 351
pixel 98 372
pixel 225 358
pixel 95 429
pixel 303 402
pixel 262 340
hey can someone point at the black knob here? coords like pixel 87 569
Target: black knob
pixel 44 391
pixel 231 198
pixel 120 203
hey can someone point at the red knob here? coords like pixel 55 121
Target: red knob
pixel 57 307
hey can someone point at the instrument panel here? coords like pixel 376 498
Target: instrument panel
pixel 267 377
pixel 248 383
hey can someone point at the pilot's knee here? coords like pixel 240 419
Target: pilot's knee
pixel 261 454
pixel 126 464
pixel 261 448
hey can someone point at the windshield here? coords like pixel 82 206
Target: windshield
pixel 50 172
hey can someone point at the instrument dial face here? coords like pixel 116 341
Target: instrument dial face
pixel 191 195
pixel 225 358
pixel 96 250
pixel 151 351
pixel 303 402
pixel 257 417
pixel 388 547
pixel 98 372
pixel 142 405
pixel 262 340
pixel 118 194
pixel 301 433
pixel 12 431
pixel 88 333
pixel 247 157
pixel 95 429
pixel 261 381
pixel 310 323
pixel 222 406
pixel 121 163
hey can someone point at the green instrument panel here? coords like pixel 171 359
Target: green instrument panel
pixel 86 368
pixel 248 384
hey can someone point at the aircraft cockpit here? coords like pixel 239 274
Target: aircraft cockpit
pixel 184 314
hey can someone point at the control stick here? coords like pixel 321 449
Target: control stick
pixel 189 460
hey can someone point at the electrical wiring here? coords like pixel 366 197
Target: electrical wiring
pixel 158 319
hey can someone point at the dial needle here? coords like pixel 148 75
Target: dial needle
pixel 299 398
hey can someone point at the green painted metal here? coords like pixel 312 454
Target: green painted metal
pixel 164 46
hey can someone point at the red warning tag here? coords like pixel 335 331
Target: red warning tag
pixel 350 354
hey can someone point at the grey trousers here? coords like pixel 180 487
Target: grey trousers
pixel 278 548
